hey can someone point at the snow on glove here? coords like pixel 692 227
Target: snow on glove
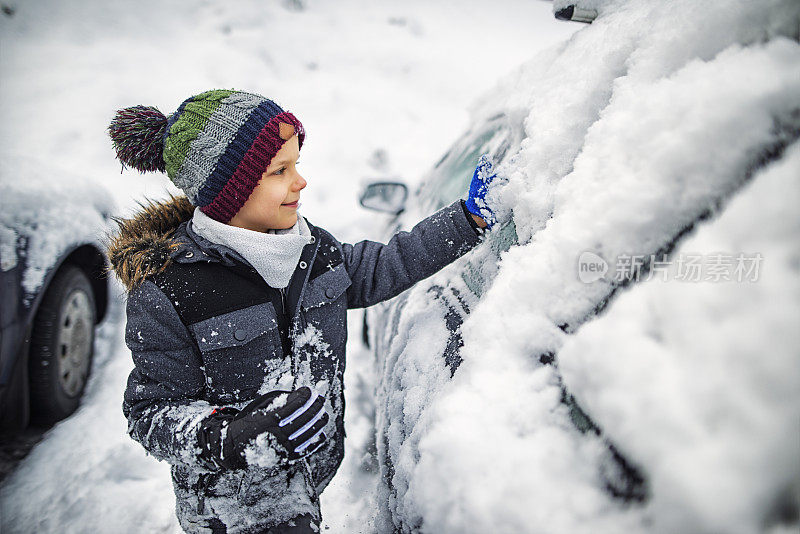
pixel 476 200
pixel 295 427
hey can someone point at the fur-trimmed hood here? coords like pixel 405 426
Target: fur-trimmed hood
pixel 144 244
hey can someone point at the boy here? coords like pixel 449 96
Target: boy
pixel 237 308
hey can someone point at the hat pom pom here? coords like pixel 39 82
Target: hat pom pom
pixel 138 136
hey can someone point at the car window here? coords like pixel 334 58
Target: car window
pixel 499 136
pixel 449 179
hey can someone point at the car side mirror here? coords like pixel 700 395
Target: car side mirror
pixel 388 197
pixel 576 14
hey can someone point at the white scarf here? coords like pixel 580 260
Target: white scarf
pixel 273 253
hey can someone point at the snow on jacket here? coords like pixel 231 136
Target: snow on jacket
pixel 206 331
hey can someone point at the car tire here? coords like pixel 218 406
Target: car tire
pixel 62 346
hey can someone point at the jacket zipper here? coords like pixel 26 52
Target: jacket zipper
pixel 289 332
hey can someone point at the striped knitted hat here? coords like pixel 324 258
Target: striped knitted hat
pixel 214 148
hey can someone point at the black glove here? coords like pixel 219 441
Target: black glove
pixel 296 427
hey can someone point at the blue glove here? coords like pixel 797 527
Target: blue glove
pixel 476 200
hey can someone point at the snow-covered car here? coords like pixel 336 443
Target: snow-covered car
pixel 54 289
pixel 604 361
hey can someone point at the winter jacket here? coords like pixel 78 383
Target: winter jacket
pixel 206 331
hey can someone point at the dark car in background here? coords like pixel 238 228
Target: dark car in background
pixel 53 292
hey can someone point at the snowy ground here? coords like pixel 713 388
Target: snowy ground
pixel 382 89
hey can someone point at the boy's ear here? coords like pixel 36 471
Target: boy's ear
pixel 286 131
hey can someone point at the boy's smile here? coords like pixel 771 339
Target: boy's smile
pixel 273 203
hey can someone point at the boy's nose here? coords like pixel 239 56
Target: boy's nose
pixel 300 182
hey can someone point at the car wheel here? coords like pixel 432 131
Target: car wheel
pixel 62 345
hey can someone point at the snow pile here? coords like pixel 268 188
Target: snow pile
pixel 724 451
pixel 50 210
pixel 646 123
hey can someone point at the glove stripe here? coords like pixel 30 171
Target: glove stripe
pixel 309 441
pixel 299 411
pixel 308 425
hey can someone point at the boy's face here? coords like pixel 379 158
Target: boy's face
pixel 273 203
